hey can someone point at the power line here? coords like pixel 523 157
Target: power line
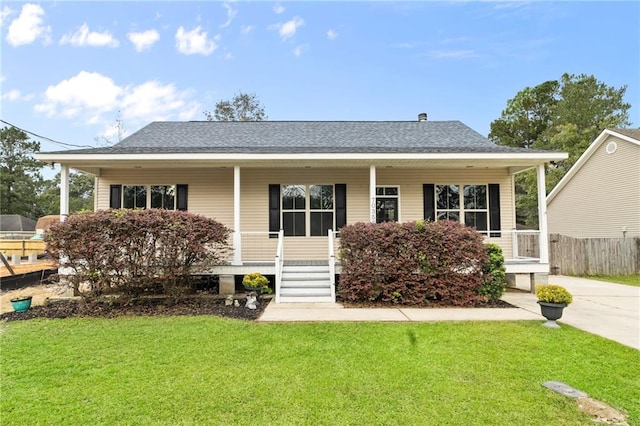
pixel 49 139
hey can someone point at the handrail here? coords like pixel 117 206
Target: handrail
pixel 279 262
pixel 332 265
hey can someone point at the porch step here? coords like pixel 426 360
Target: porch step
pixel 305 283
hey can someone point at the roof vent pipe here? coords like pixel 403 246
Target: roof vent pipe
pixel 422 116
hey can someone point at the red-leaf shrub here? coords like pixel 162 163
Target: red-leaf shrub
pixel 412 263
pixel 128 251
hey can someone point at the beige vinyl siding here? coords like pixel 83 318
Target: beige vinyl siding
pixel 602 197
pixel 410 182
pixel 255 202
pixel 210 190
pixel 211 194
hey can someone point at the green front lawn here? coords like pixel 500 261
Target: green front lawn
pixel 617 279
pixel 210 371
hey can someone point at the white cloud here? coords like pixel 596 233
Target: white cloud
pixel 144 40
pixel 453 54
pixel 12 95
pixel 289 28
pixel 332 35
pixel 94 98
pixel 85 93
pixel 152 101
pixel 4 14
pixel 84 37
pixel 246 29
pixel 278 8
pixel 231 13
pixel 299 50
pixel 27 27
pixel 194 41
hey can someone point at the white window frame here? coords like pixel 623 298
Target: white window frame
pixel 307 208
pixel 397 196
pixel 462 210
pixel 148 194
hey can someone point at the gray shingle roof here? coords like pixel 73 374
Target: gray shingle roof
pixel 304 137
pixel 632 133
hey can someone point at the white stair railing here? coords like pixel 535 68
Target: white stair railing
pixel 332 265
pixel 279 263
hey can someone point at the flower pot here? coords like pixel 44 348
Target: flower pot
pixel 21 304
pixel 552 312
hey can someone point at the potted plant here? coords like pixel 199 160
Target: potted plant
pixel 256 282
pixel 21 303
pixel 552 299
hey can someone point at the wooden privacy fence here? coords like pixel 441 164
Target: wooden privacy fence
pixel 594 256
pixel 21 247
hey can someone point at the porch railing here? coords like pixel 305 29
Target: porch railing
pixel 332 263
pixel 279 262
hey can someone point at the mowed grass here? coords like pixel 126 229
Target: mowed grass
pixel 633 280
pixel 212 371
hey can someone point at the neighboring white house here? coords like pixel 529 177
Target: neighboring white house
pixel 286 187
pixel 599 197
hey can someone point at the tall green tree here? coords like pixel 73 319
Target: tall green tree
pixel 243 107
pixel 20 177
pixel 564 115
pixel 81 186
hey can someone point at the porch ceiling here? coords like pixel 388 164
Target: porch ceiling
pixel 514 162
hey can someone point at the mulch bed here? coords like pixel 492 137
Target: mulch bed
pixel 154 306
pixel 433 305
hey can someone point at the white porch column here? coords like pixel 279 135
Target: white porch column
pixel 64 192
pixel 542 215
pixel 237 238
pixel 372 194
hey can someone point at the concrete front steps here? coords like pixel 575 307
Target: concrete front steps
pixel 305 284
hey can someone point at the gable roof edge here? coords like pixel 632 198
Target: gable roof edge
pixel 584 157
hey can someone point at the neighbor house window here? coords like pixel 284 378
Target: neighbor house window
pixel 464 203
pixel 387 204
pixel 302 204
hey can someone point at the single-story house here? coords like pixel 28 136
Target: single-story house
pixel 286 187
pixel 599 197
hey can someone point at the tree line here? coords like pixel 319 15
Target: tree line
pixel 560 115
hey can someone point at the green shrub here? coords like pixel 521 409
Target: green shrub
pixel 130 251
pixel 256 280
pixel 494 273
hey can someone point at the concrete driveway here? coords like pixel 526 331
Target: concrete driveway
pixel 608 310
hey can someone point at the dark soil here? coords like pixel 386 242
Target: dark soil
pixel 433 305
pixel 148 306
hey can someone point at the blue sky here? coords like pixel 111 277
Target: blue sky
pixel 69 68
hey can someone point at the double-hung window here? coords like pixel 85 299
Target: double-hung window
pixel 155 196
pixel 387 204
pixel 307 204
pixel 464 203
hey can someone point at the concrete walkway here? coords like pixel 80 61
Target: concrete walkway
pixel 608 310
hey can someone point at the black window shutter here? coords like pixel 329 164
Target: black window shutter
pixel 341 205
pixel 115 196
pixel 182 192
pixel 274 209
pixel 494 209
pixel 429 201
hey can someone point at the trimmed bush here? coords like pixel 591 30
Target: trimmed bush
pixel 412 263
pixel 130 251
pixel 494 273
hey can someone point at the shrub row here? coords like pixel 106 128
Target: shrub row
pixel 417 263
pixel 129 251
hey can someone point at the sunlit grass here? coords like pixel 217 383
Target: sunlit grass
pixel 204 370
pixel 633 280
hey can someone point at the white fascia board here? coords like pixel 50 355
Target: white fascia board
pixel 537 157
pixel 583 159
